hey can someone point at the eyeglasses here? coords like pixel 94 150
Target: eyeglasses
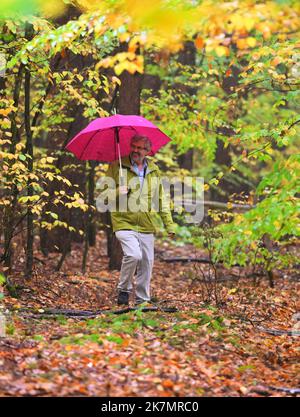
pixel 138 148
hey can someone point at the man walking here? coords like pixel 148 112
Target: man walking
pixel 135 229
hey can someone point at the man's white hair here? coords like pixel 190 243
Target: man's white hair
pixel 145 139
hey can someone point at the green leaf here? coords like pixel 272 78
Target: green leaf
pixel 116 339
pixel 2 279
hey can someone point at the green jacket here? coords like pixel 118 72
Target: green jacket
pixel 145 216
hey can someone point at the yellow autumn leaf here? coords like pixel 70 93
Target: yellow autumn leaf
pixel 124 56
pixel 53 8
pixel 131 68
pixel 267 33
pixel 19 146
pixel 116 80
pixel 5 112
pixel 253 245
pixel 114 20
pixel 139 62
pixel 251 42
pixel 105 63
pixel 292 132
pixel 222 50
pixel 249 23
pixel 242 43
pixel 132 47
pixel 119 68
pixel 124 37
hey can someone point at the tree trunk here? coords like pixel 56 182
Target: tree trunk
pixel 187 56
pixel 129 93
pixel 56 239
pixel 91 202
pixel 29 151
pixel 222 157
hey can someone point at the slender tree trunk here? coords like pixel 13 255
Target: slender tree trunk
pixel 187 56
pixel 56 240
pixel 91 202
pixel 86 242
pixel 223 158
pixel 29 151
pixel 89 230
pixel 130 93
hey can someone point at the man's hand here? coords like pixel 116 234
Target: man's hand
pixel 123 189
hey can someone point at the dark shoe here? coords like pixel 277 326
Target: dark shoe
pixel 123 298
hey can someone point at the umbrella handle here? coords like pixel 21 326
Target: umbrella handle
pixel 121 170
pixel 122 179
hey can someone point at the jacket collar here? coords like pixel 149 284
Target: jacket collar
pixel 151 166
pixel 145 162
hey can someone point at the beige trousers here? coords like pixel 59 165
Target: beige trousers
pixel 138 249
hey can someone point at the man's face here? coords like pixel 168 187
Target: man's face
pixel 138 151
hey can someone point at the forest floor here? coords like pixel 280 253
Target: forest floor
pixel 247 346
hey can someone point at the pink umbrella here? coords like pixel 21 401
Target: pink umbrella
pixel 108 138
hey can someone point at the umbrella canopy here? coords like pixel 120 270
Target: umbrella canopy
pixel 108 138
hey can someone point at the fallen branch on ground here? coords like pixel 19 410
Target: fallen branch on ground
pixel 203 260
pixel 91 314
pixel 287 390
pixel 276 332
pixel 215 204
